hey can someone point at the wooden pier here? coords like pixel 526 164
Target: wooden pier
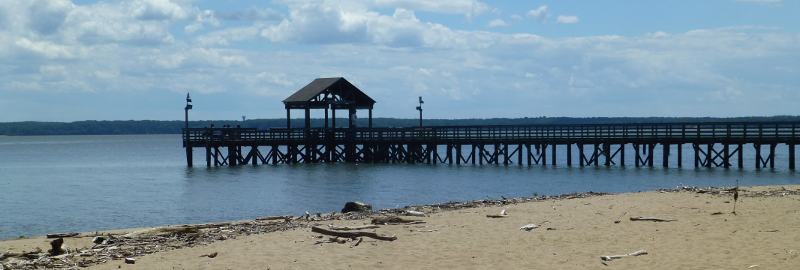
pixel 713 144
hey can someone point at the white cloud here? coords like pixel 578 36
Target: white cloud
pixel 46 48
pixel 251 14
pixel 567 19
pixel 159 10
pixel 540 14
pixel 498 22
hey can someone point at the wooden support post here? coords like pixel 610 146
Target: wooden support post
pixel 473 153
pixel 680 155
pixel 791 156
pixel 596 154
pixel 650 147
pixel 435 153
pixel 569 155
pixel 665 156
pixel 528 153
pixel 288 118
pixel 740 155
pixel 480 157
pixel 772 155
pixel 544 154
pixel 505 154
pixel 458 154
pixel 638 157
pixel 208 155
pixel 232 159
pixel 450 153
pixel 622 155
pixel 607 153
pixel 189 158
pixel 254 154
pixel 709 157
pixel 696 155
pixel 519 154
pixel 726 155
pixel 580 154
pixel 758 155
pixel 553 156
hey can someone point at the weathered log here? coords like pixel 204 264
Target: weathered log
pixel 62 235
pixel 496 216
pixel 356 207
pixel 352 234
pixel 364 227
pixel 415 213
pixel 614 257
pixel 651 219
pixel 388 220
pixel 275 218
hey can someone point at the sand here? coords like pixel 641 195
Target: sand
pixel 572 234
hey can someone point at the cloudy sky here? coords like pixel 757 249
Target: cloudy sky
pixel 63 60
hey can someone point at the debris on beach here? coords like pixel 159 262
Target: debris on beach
pixel 614 257
pixel 501 215
pixel 528 227
pixel 652 219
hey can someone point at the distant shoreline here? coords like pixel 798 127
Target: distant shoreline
pixel 141 127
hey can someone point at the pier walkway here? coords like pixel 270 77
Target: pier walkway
pixel 714 144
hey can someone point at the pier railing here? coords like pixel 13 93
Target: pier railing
pixel 765 132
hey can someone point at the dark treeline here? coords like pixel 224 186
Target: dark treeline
pixel 174 127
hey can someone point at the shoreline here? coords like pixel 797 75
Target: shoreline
pixel 147 245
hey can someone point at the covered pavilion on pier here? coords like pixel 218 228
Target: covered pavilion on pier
pixel 329 93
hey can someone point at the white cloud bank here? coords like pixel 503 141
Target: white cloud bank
pixel 126 47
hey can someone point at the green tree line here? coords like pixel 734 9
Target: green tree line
pixel 174 127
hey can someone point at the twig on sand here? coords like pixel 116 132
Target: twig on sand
pixel 651 219
pixel 614 257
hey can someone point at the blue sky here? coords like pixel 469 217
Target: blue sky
pixel 64 60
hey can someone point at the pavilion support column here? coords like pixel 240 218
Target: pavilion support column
pixel 288 118
pixel 326 117
pixel 370 118
pixel 350 114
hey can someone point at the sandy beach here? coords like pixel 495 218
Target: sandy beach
pixel 697 231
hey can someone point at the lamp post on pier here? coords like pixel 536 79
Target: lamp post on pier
pixel 186 131
pixel 419 108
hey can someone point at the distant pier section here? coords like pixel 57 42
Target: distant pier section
pixel 714 144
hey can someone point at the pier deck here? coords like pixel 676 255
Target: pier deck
pixel 714 144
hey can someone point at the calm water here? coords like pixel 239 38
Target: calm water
pixel 62 184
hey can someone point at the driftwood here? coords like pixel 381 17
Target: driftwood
pixel 415 213
pixel 501 215
pixel 62 235
pixel 275 218
pixel 353 228
pixel 614 257
pixel 356 242
pixel 390 220
pixel 651 219
pixel 352 234
pixel 528 227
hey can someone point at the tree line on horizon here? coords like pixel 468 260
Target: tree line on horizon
pixel 138 127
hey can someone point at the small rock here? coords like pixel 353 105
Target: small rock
pixel 130 260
